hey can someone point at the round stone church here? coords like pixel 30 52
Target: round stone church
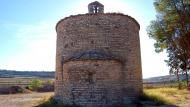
pixel 98 62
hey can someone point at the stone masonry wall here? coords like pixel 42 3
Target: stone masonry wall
pixel 92 83
pixel 112 33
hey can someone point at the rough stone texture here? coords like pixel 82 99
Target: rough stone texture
pixel 98 61
pixel 95 7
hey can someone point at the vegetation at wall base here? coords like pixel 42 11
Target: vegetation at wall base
pixel 52 103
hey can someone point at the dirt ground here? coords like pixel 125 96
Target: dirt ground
pixel 21 100
pixel 25 100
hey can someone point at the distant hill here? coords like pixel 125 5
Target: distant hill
pixel 51 74
pixel 167 78
pixel 36 74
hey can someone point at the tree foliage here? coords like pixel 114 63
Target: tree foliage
pixel 171 31
pixel 35 84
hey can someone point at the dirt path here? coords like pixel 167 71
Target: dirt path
pixel 20 100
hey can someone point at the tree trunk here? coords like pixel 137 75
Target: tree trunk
pixel 178 78
pixel 187 78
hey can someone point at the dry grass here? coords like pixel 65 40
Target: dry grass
pixel 169 96
pixel 39 100
pixel 161 96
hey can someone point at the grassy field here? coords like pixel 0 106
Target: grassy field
pixel 169 96
pixel 160 96
pixel 7 82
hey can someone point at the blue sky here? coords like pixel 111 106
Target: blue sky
pixel 28 37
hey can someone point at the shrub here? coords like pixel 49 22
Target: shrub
pixel 16 89
pixel 181 85
pixel 50 82
pixel 35 84
pixel 13 90
pixel 46 88
pixel 4 90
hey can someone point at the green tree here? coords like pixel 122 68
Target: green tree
pixel 171 31
pixel 35 84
